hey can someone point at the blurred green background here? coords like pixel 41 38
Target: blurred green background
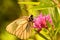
pixel 13 9
pixel 9 11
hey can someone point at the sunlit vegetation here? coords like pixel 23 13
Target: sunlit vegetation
pixel 13 9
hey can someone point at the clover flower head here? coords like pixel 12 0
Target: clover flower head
pixel 40 21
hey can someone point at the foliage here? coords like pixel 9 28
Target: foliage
pixel 12 9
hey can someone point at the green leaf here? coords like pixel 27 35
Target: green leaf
pixel 44 5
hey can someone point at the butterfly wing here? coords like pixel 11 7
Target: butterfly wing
pixel 20 28
pixel 27 31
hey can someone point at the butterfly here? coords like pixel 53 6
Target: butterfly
pixel 21 27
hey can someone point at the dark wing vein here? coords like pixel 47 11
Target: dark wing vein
pixel 28 29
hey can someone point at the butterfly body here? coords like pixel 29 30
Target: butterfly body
pixel 21 27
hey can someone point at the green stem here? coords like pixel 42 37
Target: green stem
pixel 42 35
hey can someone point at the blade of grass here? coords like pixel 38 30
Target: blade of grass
pixel 42 35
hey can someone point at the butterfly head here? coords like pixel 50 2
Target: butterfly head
pixel 31 18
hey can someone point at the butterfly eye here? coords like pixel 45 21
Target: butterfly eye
pixel 31 18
